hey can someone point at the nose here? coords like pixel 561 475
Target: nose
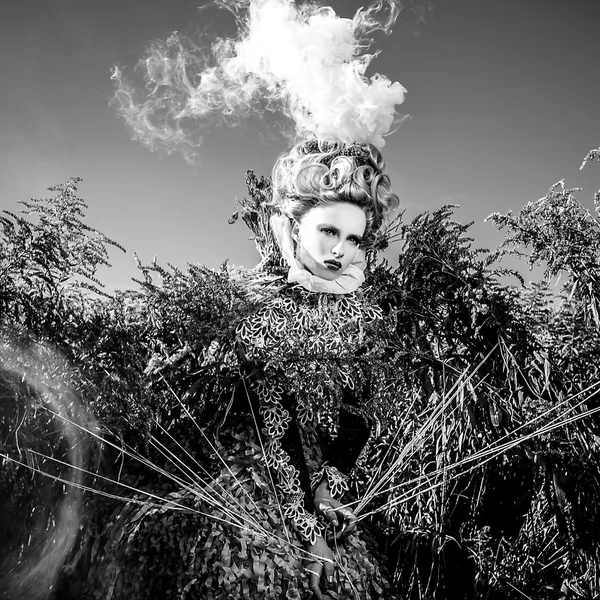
pixel 338 250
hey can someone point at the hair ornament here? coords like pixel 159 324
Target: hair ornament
pixel 331 150
pixel 314 146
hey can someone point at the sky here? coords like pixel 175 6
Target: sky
pixel 504 99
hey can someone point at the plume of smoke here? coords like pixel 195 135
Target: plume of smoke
pixel 42 370
pixel 302 60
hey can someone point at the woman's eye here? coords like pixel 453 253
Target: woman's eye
pixel 329 231
pixel 354 241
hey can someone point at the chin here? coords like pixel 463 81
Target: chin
pixel 325 273
pixel 318 269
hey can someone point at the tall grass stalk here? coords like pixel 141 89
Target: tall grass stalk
pixel 480 457
pixel 425 432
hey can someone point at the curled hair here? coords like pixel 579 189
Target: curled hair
pixel 318 173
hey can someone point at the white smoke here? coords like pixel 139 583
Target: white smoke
pixel 302 60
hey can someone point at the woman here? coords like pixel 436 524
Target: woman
pixel 287 396
pixel 329 202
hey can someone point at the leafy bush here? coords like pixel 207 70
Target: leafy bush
pixel 485 460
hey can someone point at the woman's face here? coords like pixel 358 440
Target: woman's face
pixel 328 238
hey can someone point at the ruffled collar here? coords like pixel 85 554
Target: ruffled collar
pixel 349 281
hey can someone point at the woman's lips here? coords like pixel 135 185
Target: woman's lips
pixel 333 265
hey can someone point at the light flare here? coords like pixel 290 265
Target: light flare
pixel 46 374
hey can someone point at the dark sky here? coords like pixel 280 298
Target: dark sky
pixel 504 97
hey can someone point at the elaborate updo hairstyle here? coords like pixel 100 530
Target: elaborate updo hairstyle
pixel 318 173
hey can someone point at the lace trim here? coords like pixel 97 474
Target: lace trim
pixel 309 342
pixel 276 420
pixel 312 341
pixel 336 481
pixel 306 525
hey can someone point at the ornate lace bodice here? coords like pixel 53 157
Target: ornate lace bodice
pixel 312 352
pixel 313 342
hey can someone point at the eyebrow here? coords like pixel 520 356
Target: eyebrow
pixel 331 226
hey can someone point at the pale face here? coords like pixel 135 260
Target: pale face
pixel 328 238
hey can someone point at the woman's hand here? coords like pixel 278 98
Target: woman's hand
pixel 334 512
pixel 320 562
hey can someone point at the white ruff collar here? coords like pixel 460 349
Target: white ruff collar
pixel 351 279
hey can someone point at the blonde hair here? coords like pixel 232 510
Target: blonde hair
pixel 317 173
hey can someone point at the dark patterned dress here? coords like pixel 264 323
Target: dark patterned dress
pixel 291 399
pixel 306 350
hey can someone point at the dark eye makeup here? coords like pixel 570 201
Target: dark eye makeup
pixel 331 230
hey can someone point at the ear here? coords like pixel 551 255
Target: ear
pixel 295 231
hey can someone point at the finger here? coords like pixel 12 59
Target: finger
pixel 329 513
pixel 328 567
pixel 350 521
pixel 314 571
pixel 348 515
pixel 344 532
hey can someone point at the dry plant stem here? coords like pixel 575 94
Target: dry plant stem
pixel 178 463
pixel 340 566
pixel 235 517
pixel 94 490
pixel 486 455
pixel 519 591
pixel 491 452
pixel 296 547
pixel 173 458
pixel 288 540
pixel 424 432
pixel 376 477
pixel 201 491
pixel 271 480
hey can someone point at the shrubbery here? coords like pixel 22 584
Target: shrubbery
pixel 487 463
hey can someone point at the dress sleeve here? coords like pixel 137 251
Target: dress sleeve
pixel 281 436
pixel 353 434
pixel 354 430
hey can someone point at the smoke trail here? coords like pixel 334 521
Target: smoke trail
pixel 38 378
pixel 302 60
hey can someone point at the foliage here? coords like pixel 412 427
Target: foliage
pixel 49 292
pixel 48 255
pixel 486 463
pixel 519 367
pixel 563 235
pixel 231 542
pixel 62 341
pixel 256 214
